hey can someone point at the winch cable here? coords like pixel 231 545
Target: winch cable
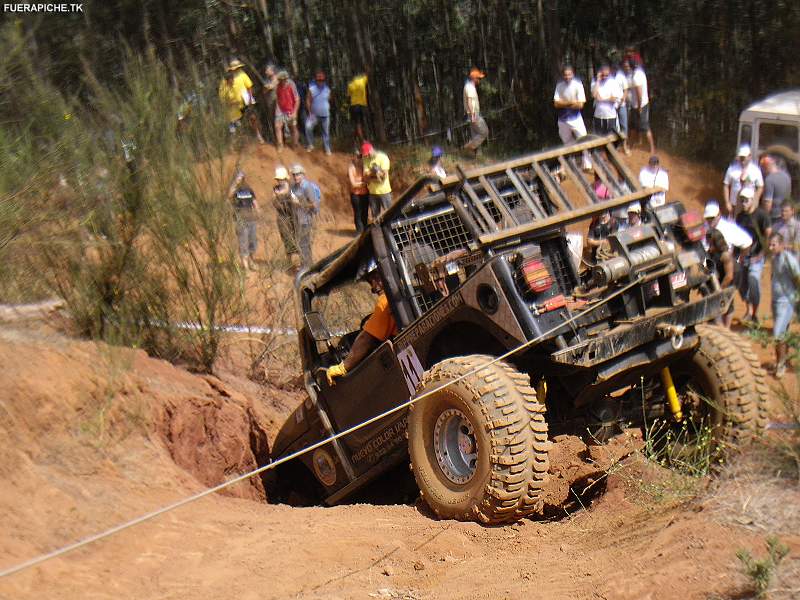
pixel 151 515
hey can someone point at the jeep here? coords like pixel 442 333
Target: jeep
pixel 487 265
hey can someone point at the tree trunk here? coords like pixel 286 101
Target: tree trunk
pixel 266 28
pixel 289 10
pixel 310 43
pixel 373 87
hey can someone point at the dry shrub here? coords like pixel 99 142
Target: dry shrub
pixel 117 209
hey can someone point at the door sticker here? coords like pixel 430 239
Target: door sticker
pixel 412 368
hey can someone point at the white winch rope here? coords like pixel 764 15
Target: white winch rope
pixel 146 517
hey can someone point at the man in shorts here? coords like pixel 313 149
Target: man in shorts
pixel 785 279
pixel 357 92
pixel 568 100
pixel 639 117
pixel 287 105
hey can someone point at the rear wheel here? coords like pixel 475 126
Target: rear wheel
pixel 478 447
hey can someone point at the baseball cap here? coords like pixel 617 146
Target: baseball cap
pixel 297 169
pixel 744 150
pixel 475 72
pixel 747 192
pixel 283 75
pixel 635 207
pixel 366 148
pixel 281 173
pixel 437 152
pixel 712 210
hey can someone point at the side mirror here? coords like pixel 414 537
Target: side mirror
pixel 317 326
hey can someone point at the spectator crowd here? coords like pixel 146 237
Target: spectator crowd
pixel 752 224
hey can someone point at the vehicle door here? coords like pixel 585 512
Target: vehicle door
pixel 374 386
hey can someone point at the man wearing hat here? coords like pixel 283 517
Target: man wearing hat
pixel 305 197
pixel 634 217
pixel 435 163
pixel 742 173
pixel 653 176
pixel 231 102
pixel 287 105
pixel 755 221
pixel 284 212
pixel 376 173
pixel 243 88
pixel 736 237
pixel 478 129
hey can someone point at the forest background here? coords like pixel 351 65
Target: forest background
pixel 705 59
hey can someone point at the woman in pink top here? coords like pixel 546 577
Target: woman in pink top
pixel 359 194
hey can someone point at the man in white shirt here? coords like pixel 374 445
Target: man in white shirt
pixel 478 129
pixel 569 99
pixel 622 106
pixel 742 172
pixel 606 93
pixel 653 175
pixel 734 235
pixel 640 102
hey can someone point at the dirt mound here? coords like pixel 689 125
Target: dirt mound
pixel 578 470
pixel 75 406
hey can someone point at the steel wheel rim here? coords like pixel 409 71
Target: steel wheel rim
pixel 455 446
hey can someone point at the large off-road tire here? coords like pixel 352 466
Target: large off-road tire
pixel 478 447
pixel 723 384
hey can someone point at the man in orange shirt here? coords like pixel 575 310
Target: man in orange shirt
pixel 378 328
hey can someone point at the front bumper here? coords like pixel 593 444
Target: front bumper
pixel 643 330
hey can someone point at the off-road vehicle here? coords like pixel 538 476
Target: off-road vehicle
pixel 483 263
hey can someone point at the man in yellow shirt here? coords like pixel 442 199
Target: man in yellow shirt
pixel 357 92
pixel 378 328
pixel 243 87
pixel 376 174
pixel 231 101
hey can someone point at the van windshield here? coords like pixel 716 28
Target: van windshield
pixel 774 134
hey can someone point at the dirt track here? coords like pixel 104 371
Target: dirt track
pixel 91 436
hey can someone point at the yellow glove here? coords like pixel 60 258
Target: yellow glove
pixel 335 371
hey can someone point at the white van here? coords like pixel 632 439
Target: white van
pixel 772 125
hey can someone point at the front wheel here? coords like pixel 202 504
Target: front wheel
pixel 722 388
pixel 478 446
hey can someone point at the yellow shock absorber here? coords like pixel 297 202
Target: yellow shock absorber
pixel 541 390
pixel 672 395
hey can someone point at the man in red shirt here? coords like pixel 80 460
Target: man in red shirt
pixel 287 104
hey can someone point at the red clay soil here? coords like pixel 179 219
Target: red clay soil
pixel 91 436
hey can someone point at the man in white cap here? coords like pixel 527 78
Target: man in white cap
pixel 735 236
pixel 284 213
pixel 755 221
pixel 742 173
pixel 306 200
pixel 634 217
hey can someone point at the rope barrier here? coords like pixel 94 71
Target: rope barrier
pixel 151 515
